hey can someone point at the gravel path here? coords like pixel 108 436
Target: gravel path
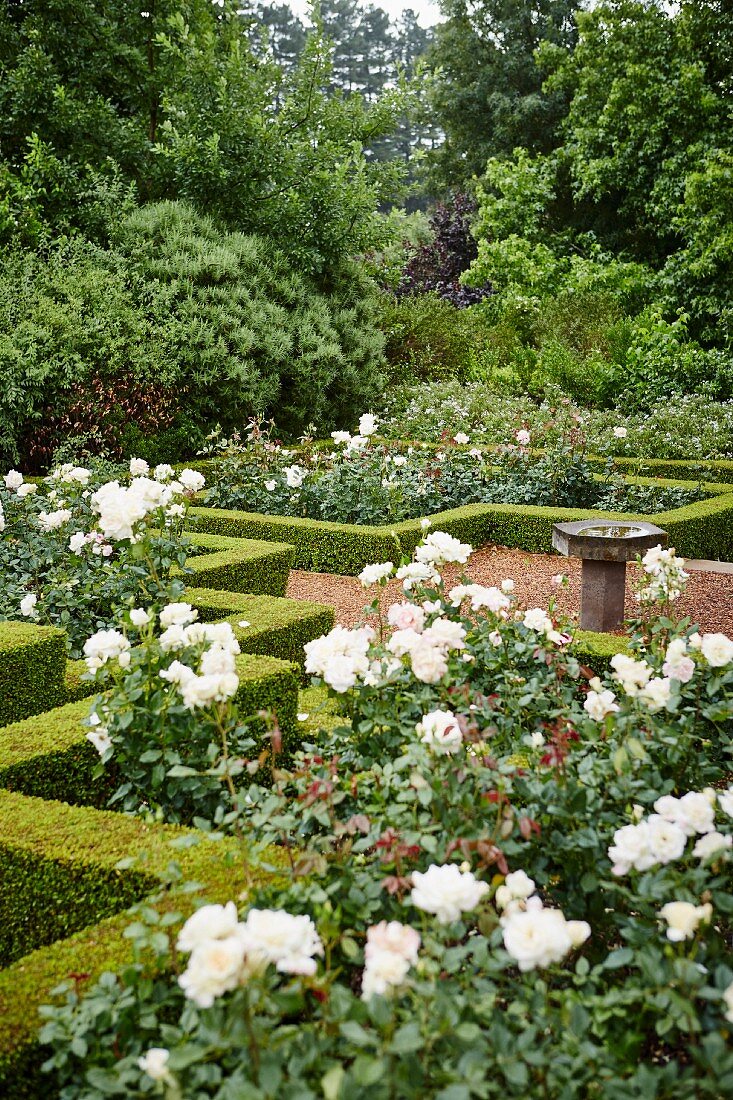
pixel 708 599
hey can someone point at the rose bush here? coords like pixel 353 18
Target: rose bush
pixel 371 482
pixel 504 876
pixel 77 547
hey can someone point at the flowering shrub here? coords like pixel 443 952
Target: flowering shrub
pixel 364 481
pixel 166 721
pixel 683 427
pixel 504 877
pixel 76 548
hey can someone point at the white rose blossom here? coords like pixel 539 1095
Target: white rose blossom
pixel 440 731
pixel 155 1060
pixel 446 891
pixel 683 919
pixel 13 480
pixel 717 649
pixel 375 574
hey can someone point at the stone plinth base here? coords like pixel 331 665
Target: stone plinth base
pixel 602 595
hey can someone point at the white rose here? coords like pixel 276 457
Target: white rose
pixel 100 738
pixel 104 646
pixel 340 673
pixel 383 971
pixel 367 424
pixel 725 800
pixel 710 843
pixel 287 941
pixel 440 731
pixel 536 937
pixel 631 848
pixel 155 1061
pixel 428 663
pixel 683 919
pixel 632 675
pixel 217 661
pixel 536 619
pixel 294 476
pixel 599 704
pixel 177 673
pixel 139 617
pixel 210 922
pixel 446 891
pixel 620 432
pixel 656 694
pixel 445 634
pixel 51 521
pixel 507 585
pixel 192 480
pixel 163 472
pixel 28 605
pixel 77 542
pixel 373 574
pixel 665 838
pixel 403 641
pixel 416 573
pixel 519 885
pixel 139 467
pixel 440 548
pixel 717 649
pixel 406 616
pixel 177 614
pixel 201 691
pixel 214 968
pixel 522 437
pixel 340 437
pixel 27 489
pixel 13 480
pixel 271 486
pixel 392 936
pixel 461 438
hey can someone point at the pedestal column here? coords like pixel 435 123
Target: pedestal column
pixel 602 595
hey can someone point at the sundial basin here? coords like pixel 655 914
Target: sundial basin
pixel 606 540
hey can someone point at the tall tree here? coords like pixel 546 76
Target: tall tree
pixel 487 85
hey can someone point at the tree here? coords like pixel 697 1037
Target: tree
pixel 487 90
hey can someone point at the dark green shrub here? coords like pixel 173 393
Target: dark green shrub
pixel 428 338
pixel 176 326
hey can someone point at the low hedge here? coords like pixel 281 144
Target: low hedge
pixel 72 853
pixel 32 666
pixel 596 650
pixel 277 627
pixel 48 755
pixel 701 530
pixel 240 565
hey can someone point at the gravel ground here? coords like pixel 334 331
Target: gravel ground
pixel 708 599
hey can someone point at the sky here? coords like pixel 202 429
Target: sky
pixel 428 12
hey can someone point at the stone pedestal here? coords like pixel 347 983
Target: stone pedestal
pixel 602 595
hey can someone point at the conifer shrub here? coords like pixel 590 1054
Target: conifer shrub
pixel 204 326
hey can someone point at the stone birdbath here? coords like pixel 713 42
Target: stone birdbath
pixel 604 547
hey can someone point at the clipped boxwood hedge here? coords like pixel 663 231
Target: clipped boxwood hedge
pixel 240 565
pixel 32 666
pixel 701 530
pixel 72 853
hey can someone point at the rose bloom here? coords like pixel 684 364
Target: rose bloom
pixel 537 937
pixel 631 848
pixel 13 480
pixel 27 489
pixel 446 891
pixel 461 438
pixel 401 939
pixel 367 424
pixel 725 800
pixel 428 663
pixel 406 616
pixel 440 731
pixel 599 704
pixel 683 919
pixel 655 694
pixel 536 619
pixel 139 467
pixel 693 813
pixel 522 437
pixel 620 432
pixel 177 614
pixel 287 941
pixel 210 922
pixel 711 843
pixel 383 971
pixel 192 480
pixel 666 839
pixel 155 1061
pixel 438 548
pixel 446 634
pixel 717 649
pixel 104 646
pixel 373 574
pixel 215 967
